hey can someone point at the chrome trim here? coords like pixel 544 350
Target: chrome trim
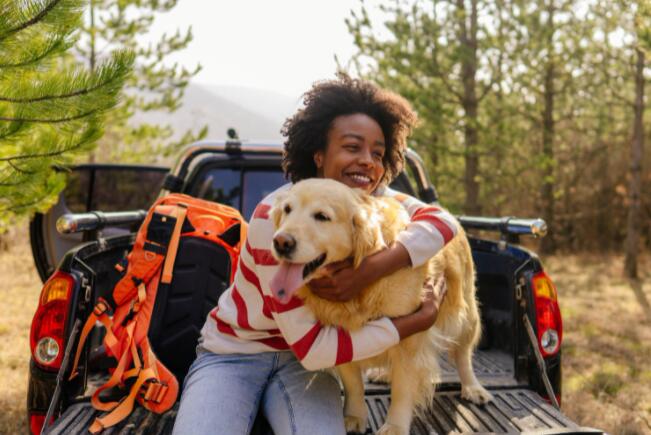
pixel 506 225
pixel 77 222
pixel 220 146
pixel 539 228
pixel 420 167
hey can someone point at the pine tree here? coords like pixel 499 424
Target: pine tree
pixel 445 57
pixel 154 87
pixel 50 112
pixel 547 37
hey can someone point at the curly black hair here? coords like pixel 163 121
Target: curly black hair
pixel 307 131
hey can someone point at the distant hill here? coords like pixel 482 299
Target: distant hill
pixel 256 114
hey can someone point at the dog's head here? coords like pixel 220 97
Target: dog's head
pixel 318 222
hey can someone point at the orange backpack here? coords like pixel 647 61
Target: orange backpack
pixel 150 264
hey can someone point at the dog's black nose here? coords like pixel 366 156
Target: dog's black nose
pixel 284 244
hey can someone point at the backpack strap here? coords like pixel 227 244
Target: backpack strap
pixel 118 373
pixel 173 246
pixel 147 389
pixel 100 313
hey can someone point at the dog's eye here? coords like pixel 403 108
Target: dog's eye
pixel 321 217
pixel 287 209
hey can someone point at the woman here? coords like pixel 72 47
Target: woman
pixel 256 353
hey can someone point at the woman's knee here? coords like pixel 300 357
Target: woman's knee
pixel 309 402
pixel 220 395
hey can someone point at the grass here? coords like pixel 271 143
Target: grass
pixel 606 347
pixel 19 290
pixel 606 343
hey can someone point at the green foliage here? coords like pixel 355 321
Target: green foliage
pixel 50 112
pixel 423 51
pixel 133 131
pixel 553 87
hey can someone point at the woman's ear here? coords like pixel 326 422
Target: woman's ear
pixel 318 159
pixel 367 233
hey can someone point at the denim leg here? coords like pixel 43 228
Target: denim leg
pixel 300 402
pixel 222 393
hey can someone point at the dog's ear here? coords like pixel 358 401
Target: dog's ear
pixel 276 212
pixel 367 232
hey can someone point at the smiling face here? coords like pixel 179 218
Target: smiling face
pixel 354 152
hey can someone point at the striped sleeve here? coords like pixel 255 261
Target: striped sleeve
pixel 430 229
pixel 317 346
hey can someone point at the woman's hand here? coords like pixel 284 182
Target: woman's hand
pixel 425 317
pixel 344 282
pixel 432 299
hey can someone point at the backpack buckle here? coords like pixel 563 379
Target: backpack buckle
pixel 155 391
pixel 100 308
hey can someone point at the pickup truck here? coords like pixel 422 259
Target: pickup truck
pixel 75 248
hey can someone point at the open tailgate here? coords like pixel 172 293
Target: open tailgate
pixel 514 410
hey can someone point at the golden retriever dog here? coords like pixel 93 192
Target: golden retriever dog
pixel 326 221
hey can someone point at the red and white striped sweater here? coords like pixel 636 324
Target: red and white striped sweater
pixel 248 320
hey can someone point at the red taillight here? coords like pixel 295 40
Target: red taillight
pixel 548 400
pixel 36 421
pixel 548 315
pixel 48 326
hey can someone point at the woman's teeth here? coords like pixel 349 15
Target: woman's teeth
pixel 362 179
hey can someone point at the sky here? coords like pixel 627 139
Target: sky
pixel 278 45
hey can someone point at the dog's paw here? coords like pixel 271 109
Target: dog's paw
pixel 476 394
pixel 355 425
pixel 392 429
pixel 378 375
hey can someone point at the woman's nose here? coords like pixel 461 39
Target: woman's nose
pixel 365 158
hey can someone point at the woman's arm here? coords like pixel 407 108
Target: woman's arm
pixel 430 229
pixel 425 316
pixel 344 282
pixel 317 346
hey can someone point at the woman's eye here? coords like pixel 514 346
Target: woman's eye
pixel 287 209
pixel 321 217
pixel 351 147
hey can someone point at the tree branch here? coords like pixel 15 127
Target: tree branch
pixel 60 96
pixel 50 121
pixel 19 170
pixel 38 17
pixel 48 154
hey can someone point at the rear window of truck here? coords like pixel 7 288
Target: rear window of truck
pixel 241 188
pixel 244 188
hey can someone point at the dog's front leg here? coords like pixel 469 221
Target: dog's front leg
pixel 355 413
pixel 403 388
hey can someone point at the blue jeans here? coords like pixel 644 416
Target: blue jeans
pixel 222 395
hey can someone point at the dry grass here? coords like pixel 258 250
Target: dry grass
pixel 607 344
pixel 19 290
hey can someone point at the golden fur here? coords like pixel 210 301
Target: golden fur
pixel 360 225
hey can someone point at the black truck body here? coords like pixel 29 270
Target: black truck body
pixel 508 361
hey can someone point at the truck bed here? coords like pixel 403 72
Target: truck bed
pixel 516 408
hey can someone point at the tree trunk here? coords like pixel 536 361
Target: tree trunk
pixel 547 188
pixel 635 176
pixel 468 40
pixel 603 200
pixel 92 60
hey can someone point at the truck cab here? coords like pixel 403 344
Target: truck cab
pixel 518 359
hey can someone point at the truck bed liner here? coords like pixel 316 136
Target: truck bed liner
pixel 514 411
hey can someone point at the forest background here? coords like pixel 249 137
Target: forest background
pixel 530 108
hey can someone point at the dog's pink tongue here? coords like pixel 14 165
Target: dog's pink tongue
pixel 287 280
